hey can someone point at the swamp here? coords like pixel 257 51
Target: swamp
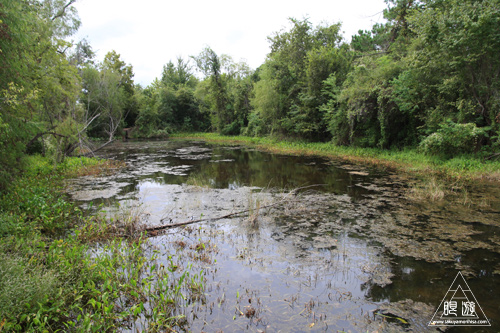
pixel 344 180
pixel 280 243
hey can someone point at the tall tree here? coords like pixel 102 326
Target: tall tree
pixel 178 75
pixel 112 62
pixel 376 39
pixel 105 96
pixel 209 63
pixel 461 41
pixel 37 83
pixel 300 60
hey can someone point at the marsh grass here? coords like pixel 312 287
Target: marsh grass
pixel 128 220
pixel 103 167
pixel 433 189
pixel 430 189
pixel 254 204
pixel 71 166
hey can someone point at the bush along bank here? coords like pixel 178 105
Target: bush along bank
pixel 64 269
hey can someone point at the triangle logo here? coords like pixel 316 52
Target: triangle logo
pixel 459 307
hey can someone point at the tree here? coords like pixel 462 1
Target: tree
pixel 377 39
pixel 153 111
pixel 210 65
pixel 37 83
pixel 180 75
pixel 365 104
pixel 398 15
pixel 104 98
pixel 108 96
pixel 180 80
pixel 265 114
pixel 299 61
pixel 462 39
pixel 15 95
pixel 82 55
pixel 113 63
pixel 452 68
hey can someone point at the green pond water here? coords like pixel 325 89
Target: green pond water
pixel 339 247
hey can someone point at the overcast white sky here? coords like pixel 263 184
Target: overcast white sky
pixel 149 33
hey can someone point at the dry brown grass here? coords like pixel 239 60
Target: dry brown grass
pixel 429 189
pixel 104 167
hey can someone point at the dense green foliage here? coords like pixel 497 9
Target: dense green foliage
pixel 108 96
pixel 170 103
pixel 38 86
pixel 53 95
pixel 426 78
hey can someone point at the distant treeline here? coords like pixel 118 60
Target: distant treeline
pixel 427 78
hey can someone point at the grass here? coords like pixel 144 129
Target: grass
pixel 70 167
pixel 64 270
pixel 431 189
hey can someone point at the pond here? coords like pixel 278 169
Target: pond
pixel 322 245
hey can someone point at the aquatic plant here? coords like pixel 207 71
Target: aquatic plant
pixel 429 189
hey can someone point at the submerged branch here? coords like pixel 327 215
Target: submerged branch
pixel 99 148
pixel 231 215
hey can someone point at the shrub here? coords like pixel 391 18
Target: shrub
pixel 232 128
pixel 256 126
pixel 159 133
pixel 12 136
pixel 453 139
pixel 147 122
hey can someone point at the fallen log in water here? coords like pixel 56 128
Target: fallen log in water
pixel 154 230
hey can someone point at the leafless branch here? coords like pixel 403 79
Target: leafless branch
pixel 97 149
pixel 61 12
pixel 231 215
pixel 88 123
